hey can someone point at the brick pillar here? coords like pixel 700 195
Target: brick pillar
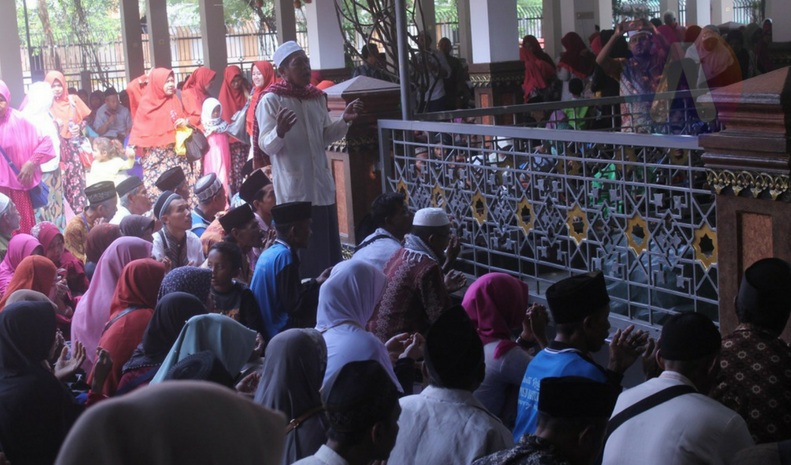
pixel 354 161
pixel 748 167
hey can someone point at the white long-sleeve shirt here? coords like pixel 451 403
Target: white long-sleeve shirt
pixel 689 429
pixel 446 426
pixel 300 169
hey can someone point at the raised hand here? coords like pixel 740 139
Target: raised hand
pixel 65 367
pixel 286 119
pixel 353 110
pixel 101 369
pixel 626 347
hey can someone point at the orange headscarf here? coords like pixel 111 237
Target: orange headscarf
pixel 66 107
pixel 268 71
pixel 231 100
pixel 35 272
pixel 154 122
pixel 195 91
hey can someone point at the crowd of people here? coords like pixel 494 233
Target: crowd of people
pixel 640 57
pixel 199 311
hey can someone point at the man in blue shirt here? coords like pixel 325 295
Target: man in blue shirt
pixel 580 308
pixel 285 301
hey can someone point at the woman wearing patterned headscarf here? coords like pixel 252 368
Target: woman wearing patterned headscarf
pixel 190 279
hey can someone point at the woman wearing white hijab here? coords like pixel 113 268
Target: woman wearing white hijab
pixel 346 302
pixel 36 109
pixel 178 422
pixel 218 158
pixel 231 342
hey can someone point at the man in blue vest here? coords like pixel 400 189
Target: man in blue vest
pixel 580 308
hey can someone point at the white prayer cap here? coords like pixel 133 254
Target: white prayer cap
pixel 285 51
pixel 431 217
pixel 4 203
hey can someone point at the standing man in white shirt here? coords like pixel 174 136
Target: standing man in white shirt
pixel 295 129
pixel 683 425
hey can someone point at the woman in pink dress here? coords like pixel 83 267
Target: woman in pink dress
pixel 24 149
pixel 218 159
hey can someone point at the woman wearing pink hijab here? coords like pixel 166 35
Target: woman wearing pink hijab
pixel 23 150
pixel 93 310
pixel 497 304
pixel 19 247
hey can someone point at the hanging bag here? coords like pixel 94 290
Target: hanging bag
pixel 196 145
pixel 237 128
pixel 39 195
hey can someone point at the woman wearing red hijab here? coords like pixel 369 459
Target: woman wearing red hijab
pixel 195 91
pixel 135 90
pixel 539 68
pixel 130 311
pixel 69 113
pixel 263 74
pixel 576 61
pixel 154 131
pixel 233 98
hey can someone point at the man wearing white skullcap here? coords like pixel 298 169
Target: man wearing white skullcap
pixel 417 291
pixel 295 127
pixel 9 222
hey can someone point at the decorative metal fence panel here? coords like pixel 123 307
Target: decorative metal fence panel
pixel 545 204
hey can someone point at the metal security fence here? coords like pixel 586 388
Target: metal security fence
pixel 545 204
pixel 676 113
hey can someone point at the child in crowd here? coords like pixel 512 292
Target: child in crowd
pixel 229 296
pixel 109 159
pixel 218 158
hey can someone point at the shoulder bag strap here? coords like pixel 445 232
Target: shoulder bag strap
pixel 646 404
pixel 294 424
pixel 118 317
pixel 371 241
pixel 10 163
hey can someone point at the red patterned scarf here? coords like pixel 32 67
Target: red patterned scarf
pixel 286 89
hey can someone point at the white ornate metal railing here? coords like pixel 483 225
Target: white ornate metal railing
pixel 547 203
